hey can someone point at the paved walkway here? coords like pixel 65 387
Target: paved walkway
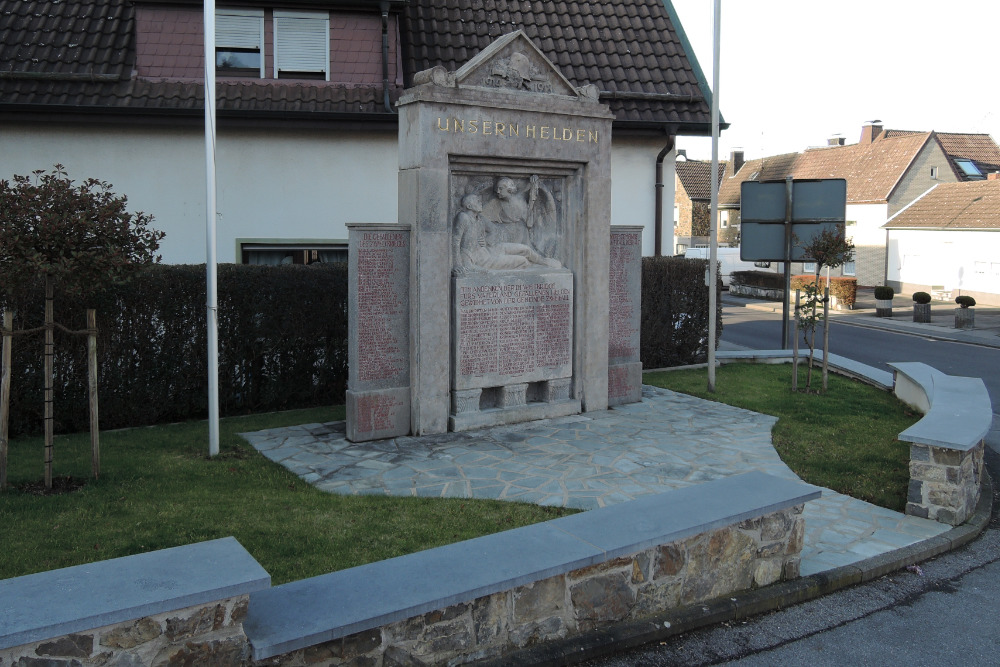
pixel 667 441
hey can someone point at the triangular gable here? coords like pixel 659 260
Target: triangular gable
pixel 514 63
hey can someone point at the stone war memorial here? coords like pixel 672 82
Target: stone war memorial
pixel 489 302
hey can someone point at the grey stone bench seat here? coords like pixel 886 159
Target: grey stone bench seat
pixel 843 365
pixel 957 410
pixel 311 611
pixel 49 604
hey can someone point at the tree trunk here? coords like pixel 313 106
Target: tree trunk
pixel 95 436
pixel 826 333
pixel 8 326
pixel 795 346
pixel 49 349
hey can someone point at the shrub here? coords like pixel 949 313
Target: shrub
pixel 965 301
pixel 884 293
pixel 843 287
pixel 282 344
pixel 921 297
pixel 765 279
pixel 675 312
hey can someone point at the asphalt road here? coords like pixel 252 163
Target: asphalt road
pixel 943 612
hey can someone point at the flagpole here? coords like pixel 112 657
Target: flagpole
pixel 713 216
pixel 211 260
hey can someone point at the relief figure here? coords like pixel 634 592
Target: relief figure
pixel 477 244
pixel 524 215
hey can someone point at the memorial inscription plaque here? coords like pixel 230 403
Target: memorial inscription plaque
pixel 624 315
pixel 378 389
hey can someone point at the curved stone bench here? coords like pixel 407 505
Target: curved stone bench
pixel 946 445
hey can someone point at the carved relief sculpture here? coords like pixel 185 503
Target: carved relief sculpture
pixel 513 231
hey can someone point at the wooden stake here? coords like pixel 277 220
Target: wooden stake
pixel 8 326
pixel 826 333
pixel 95 436
pixel 795 346
pixel 49 349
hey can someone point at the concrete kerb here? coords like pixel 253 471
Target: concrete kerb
pixel 750 603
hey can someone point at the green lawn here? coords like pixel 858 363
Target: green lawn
pixel 844 440
pixel 158 489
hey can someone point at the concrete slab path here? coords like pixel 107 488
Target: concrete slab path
pixel 667 441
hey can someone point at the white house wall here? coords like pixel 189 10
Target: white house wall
pixel 963 262
pixel 275 185
pixel 633 189
pixel 869 241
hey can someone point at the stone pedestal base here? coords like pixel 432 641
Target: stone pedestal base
pixel 944 482
pixel 922 312
pixel 965 318
pixel 624 383
pixel 377 414
pixel 883 307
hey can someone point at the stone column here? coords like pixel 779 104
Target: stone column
pixel 624 316
pixel 378 348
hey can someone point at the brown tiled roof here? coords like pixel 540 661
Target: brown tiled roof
pixel 980 148
pixel 90 39
pixel 771 168
pixel 630 49
pixel 971 205
pixel 871 170
pixel 79 56
pixel 696 177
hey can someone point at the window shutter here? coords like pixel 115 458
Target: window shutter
pixel 301 43
pixel 238 31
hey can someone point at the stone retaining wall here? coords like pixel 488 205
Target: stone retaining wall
pixel 944 483
pixel 206 634
pixel 750 554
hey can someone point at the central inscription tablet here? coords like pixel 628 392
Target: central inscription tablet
pixel 512 327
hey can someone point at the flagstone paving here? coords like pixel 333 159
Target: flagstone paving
pixel 667 441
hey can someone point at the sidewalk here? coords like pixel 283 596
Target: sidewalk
pixel 941 326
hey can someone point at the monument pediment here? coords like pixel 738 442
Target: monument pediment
pixel 514 63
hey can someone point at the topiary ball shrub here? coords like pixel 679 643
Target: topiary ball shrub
pixel 921 297
pixel 965 301
pixel 884 293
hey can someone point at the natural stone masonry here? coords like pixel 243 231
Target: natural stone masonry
pixel 496 593
pixel 947 444
pixel 180 606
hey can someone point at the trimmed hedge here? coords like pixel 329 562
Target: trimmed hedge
pixel 844 288
pixel 282 341
pixel 282 344
pixel 674 328
pixel 765 279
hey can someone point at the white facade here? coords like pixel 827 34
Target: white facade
pixel 962 262
pixel 275 187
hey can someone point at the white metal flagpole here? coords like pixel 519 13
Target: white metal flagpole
pixel 713 227
pixel 211 260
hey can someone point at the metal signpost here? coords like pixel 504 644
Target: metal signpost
pixel 779 218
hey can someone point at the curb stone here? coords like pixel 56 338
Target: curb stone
pixel 632 634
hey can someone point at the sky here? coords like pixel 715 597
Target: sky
pixel 794 73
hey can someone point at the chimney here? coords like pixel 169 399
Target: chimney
pixel 682 153
pixel 870 130
pixel 736 160
pixel 836 140
pixel 993 176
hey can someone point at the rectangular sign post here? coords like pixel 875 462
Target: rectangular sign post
pixel 779 218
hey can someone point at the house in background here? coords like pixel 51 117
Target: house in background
pixel 948 240
pixel 307 129
pixel 692 203
pixel 885 171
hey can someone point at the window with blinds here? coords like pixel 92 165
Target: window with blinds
pixel 301 45
pixel 239 42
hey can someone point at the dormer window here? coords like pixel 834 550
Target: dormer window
pixel 301 45
pixel 239 40
pixel 969 168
